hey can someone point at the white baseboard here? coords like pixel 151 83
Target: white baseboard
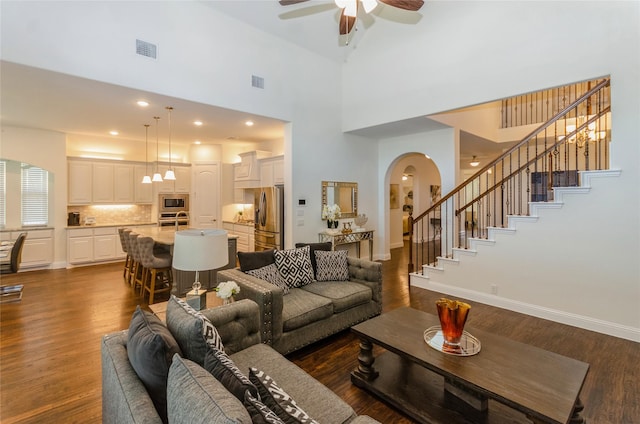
pixel 587 323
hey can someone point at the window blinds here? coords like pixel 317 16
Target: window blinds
pixel 35 195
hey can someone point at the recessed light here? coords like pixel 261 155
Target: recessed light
pixel 114 132
pixel 249 123
pixel 197 142
pixel 197 123
pixel 142 103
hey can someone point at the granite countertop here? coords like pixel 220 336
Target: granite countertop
pixel 9 230
pixel 247 223
pixel 112 224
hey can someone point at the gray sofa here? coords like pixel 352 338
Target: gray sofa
pixel 314 311
pixel 195 396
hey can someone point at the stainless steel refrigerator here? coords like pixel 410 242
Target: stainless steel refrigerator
pixel 269 218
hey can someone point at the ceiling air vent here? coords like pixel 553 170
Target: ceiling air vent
pixel 144 48
pixel 257 82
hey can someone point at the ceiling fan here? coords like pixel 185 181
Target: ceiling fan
pixel 349 13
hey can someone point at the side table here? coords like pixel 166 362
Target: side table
pixel 356 237
pixel 160 309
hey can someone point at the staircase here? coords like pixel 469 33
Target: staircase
pixel 518 233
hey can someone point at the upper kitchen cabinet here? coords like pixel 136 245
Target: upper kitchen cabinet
pixel 143 193
pixel 182 183
pixel 80 185
pixel 107 182
pixel 246 174
pixel 272 171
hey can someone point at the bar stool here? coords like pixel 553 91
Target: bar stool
pixel 124 242
pixel 137 270
pixel 157 269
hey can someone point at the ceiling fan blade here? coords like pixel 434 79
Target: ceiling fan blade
pixel 412 5
pixel 346 23
pixel 289 2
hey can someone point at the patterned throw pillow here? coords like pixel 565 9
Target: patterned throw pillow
pixel 193 331
pixel 271 274
pixel 226 372
pixel 277 399
pixel 332 266
pixel 260 413
pixel 295 266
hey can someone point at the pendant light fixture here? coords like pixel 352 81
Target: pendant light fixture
pixel 169 175
pixel 157 178
pixel 146 179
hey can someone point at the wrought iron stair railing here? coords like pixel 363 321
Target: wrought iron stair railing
pixel 575 138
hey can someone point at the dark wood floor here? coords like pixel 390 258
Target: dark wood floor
pixel 50 348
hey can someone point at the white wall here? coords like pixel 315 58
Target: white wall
pixel 464 53
pixel 25 145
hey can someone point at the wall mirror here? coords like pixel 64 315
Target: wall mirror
pixel 342 194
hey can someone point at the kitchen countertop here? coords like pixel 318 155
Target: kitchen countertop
pixel 247 223
pixel 120 224
pixel 166 235
pixel 16 229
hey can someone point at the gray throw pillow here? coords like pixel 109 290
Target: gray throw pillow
pixel 255 260
pixel 270 274
pixel 150 348
pixel 295 266
pixel 332 266
pixel 192 330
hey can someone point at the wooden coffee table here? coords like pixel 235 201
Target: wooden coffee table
pixel 506 381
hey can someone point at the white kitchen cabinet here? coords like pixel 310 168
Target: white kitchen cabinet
pixel 246 174
pixel 143 193
pixel 104 243
pixel 272 171
pixel 123 175
pixel 80 245
pixel 103 182
pixel 245 233
pixel 182 183
pixel 80 182
pixel 38 248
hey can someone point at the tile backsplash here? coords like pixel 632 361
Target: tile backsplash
pixel 114 214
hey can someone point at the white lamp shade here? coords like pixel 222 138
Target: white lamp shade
pixel 169 175
pixel 157 177
pixel 146 179
pixel 200 250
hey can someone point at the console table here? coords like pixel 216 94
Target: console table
pixel 356 237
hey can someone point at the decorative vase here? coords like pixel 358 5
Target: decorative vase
pixel 335 224
pixel 453 315
pixel 329 223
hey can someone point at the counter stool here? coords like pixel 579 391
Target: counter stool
pixel 157 269
pixel 137 270
pixel 124 242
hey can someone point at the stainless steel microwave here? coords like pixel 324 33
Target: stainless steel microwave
pixel 173 203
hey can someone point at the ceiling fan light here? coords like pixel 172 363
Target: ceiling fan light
pixel 341 3
pixel 369 5
pixel 169 175
pixel 351 9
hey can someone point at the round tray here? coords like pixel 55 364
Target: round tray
pixel 469 345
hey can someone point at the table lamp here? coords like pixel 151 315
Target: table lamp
pixel 200 250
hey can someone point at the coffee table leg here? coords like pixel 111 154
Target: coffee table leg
pixel 365 368
pixel 576 418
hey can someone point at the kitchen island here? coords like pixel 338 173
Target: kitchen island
pixel 182 280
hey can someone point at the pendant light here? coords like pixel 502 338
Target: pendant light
pixel 157 178
pixel 169 175
pixel 146 179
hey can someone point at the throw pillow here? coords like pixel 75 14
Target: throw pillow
pixel 313 248
pixel 260 413
pixel 192 330
pixel 150 348
pixel 271 274
pixel 332 266
pixel 255 260
pixel 295 266
pixel 226 372
pixel 277 399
